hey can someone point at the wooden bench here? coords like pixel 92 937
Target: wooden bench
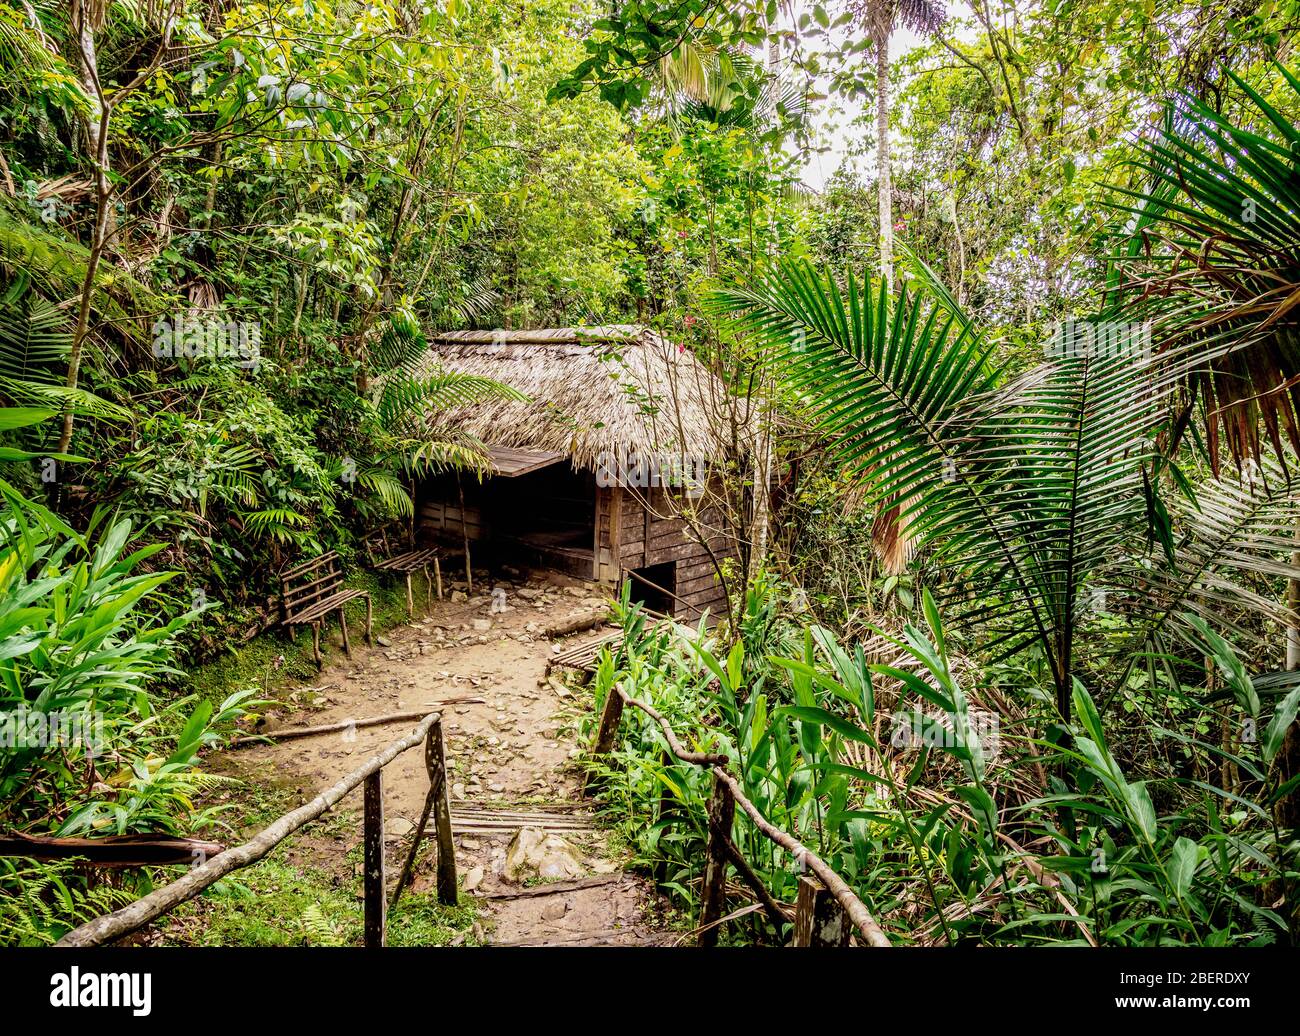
pixel 311 590
pixel 409 561
pixel 406 561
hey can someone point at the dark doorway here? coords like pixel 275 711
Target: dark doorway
pixel 546 518
pixel 654 586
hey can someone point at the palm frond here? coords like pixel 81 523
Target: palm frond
pixel 35 341
pixel 1023 488
pixel 1214 261
pixel 392 493
pixel 1233 536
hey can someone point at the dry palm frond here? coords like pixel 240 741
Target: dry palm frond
pixel 1232 534
pixel 1212 259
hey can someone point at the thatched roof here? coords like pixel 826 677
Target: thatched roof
pixel 591 391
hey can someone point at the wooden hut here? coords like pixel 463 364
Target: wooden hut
pixel 593 473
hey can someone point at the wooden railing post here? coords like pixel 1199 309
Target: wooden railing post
pixel 610 717
pixel 436 759
pixel 376 906
pixel 437 806
pixel 819 920
pixel 607 731
pixel 713 893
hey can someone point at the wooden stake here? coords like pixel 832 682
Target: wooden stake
pixel 376 907
pixel 713 894
pixel 610 717
pixel 819 919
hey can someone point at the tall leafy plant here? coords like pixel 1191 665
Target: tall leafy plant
pixel 1026 487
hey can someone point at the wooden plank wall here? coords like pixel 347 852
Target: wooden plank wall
pixel 444 519
pixel 605 561
pixel 440 510
pixel 647 538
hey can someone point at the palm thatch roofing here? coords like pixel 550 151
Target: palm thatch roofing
pixel 591 393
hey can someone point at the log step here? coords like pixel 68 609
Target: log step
pixel 481 818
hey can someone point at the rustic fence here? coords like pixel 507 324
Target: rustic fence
pixel 825 912
pixel 825 902
pixel 436 805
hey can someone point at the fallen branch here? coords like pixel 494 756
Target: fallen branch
pixel 682 753
pixel 288 733
pixel 853 906
pixel 139 850
pixel 775 912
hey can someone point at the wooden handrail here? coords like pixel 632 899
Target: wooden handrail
pixel 727 793
pixel 149 908
pixel 698 758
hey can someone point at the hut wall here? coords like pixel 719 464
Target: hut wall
pixel 605 558
pixel 649 537
pixel 441 515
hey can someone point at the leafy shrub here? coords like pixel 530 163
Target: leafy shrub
pixel 944 837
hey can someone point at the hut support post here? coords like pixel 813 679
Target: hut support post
pixel 464 531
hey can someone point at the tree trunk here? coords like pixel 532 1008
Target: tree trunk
pixel 883 187
pixel 102 232
pixel 761 498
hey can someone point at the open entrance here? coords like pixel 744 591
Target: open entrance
pixel 654 586
pixel 540 516
pixel 546 518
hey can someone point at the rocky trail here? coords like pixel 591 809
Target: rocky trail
pixel 527 843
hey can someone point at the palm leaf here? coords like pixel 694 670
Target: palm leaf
pixel 1214 260
pixel 1022 488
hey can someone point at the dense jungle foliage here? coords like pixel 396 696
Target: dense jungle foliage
pixel 1013 286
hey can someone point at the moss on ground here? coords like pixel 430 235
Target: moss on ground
pixel 276 659
pixel 275 904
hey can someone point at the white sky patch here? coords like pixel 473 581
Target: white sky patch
pixel 834 118
pixel 834 124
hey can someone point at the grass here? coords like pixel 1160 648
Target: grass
pixel 275 659
pixel 274 904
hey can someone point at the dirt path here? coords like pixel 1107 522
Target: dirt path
pixel 511 760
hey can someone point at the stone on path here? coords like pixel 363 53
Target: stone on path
pixel 533 853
